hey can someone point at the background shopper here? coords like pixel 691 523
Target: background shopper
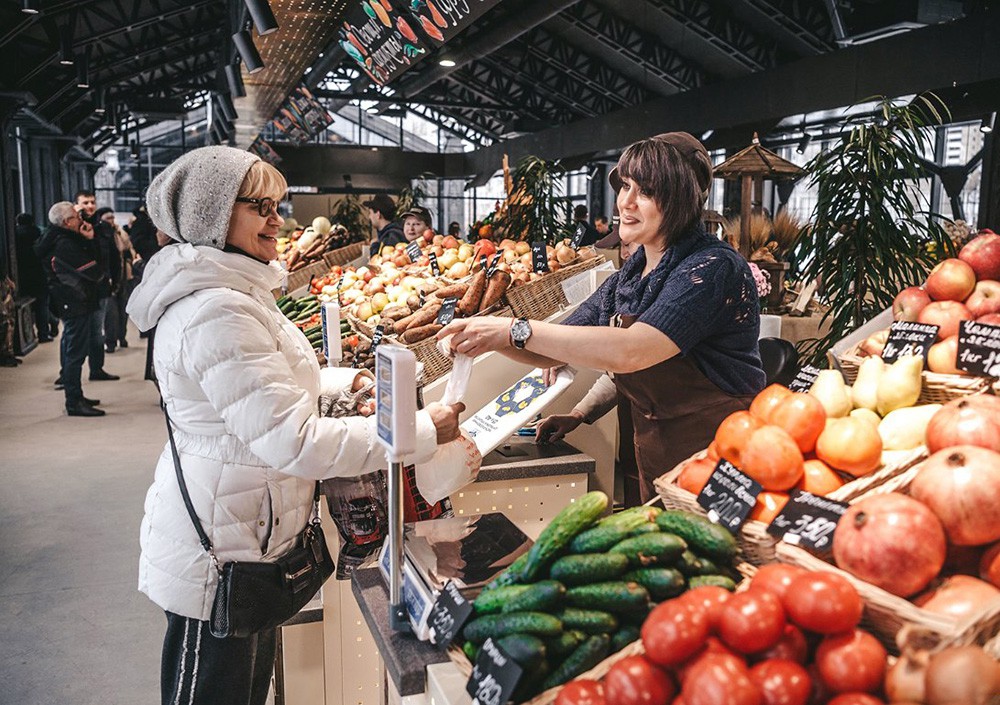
pixel 415 222
pixel 31 280
pixel 115 319
pixel 381 213
pixel 105 253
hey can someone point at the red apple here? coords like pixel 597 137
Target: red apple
pixel 982 253
pixel 449 242
pixel 874 343
pixel 984 299
pixel 951 280
pixel 909 303
pixel 992 319
pixel 942 357
pixel 946 315
pixel 428 235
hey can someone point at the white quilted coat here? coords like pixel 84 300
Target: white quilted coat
pixel 241 385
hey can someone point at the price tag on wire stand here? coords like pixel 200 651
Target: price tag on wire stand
pixel 808 521
pixel 435 267
pixel 578 234
pixel 539 257
pixel 340 285
pixel 449 614
pixel 979 348
pixel 494 263
pixel 494 677
pixel 804 379
pixel 413 251
pixel 909 338
pixel 729 496
pixel 484 264
pixel 447 312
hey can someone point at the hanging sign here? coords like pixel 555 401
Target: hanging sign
pixel 494 676
pixel 729 496
pixel 380 38
pixel 441 20
pixel 807 520
pixel 979 348
pixel 909 338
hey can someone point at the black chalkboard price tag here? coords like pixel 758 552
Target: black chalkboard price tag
pixel 578 234
pixel 539 257
pixel 447 312
pixel 804 379
pixel 494 676
pixel 979 348
pixel 808 521
pixel 484 263
pixel 340 285
pixel 449 614
pixel 729 496
pixel 909 338
pixel 413 251
pixel 494 263
pixel 435 267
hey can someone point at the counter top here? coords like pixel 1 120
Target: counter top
pixel 521 457
pixel 406 657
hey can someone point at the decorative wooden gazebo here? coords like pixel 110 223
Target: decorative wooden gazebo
pixel 751 166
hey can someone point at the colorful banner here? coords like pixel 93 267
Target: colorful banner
pixel 301 117
pixel 263 150
pixel 380 39
pixel 443 19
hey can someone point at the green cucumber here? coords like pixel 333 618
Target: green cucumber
pixel 513 574
pixel 586 656
pixel 492 602
pixel 588 621
pixel 615 596
pixel 651 549
pixel 526 649
pixel 559 647
pixel 318 328
pixel 624 636
pixel 648 528
pixel 603 537
pixel 531 681
pixel 539 597
pixel 626 515
pixel 704 537
pixel 471 651
pixel 661 583
pixel 585 568
pixel 498 625
pixel 562 530
pixel 282 300
pixel 722 581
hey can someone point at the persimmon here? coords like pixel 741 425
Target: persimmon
pixel 733 434
pixel 768 505
pixel 851 445
pixel 802 416
pixel 818 478
pixel 695 475
pixel 713 452
pixel 772 458
pixel 769 398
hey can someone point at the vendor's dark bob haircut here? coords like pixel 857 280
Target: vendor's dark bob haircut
pixel 662 171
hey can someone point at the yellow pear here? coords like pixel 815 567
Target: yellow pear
pixel 832 392
pixel 899 385
pixel 864 393
pixel 904 429
pixel 867 415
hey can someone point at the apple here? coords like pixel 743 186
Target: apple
pixel 992 319
pixel 449 242
pixel 373 287
pixel 379 302
pixel 448 259
pixel 464 252
pixel 458 270
pixel 951 280
pixel 428 235
pixel 909 303
pixel 522 247
pixel 984 299
pixel 423 261
pixel 874 343
pixel 982 253
pixel 942 356
pixel 946 315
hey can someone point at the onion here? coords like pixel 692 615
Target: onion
pixel 959 596
pixel 964 675
pixel 961 485
pixel 905 680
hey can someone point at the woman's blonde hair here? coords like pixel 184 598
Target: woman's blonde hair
pixel 263 181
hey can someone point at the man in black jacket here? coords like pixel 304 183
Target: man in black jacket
pixel 75 280
pixel 381 212
pixel 106 252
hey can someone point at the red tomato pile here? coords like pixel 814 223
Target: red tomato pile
pixel 790 639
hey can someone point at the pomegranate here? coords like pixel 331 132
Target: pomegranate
pixel 972 421
pixel 982 253
pixel 989 565
pixel 961 485
pixel 992 319
pixel 909 303
pixel 951 280
pixel 891 541
pixel 946 315
pixel 959 596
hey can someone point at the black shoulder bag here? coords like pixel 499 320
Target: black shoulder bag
pixel 253 596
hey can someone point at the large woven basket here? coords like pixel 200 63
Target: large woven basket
pixel 343 255
pixel 758 546
pixel 541 298
pixel 301 277
pixel 895 620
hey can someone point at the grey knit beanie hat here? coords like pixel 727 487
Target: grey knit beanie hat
pixel 192 199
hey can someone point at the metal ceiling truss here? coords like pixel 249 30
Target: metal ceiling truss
pixel 804 26
pixel 485 79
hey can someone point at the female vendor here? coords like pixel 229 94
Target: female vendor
pixel 676 327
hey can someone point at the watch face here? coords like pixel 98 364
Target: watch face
pixel 521 330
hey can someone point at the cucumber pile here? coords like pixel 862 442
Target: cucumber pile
pixel 587 584
pixel 302 311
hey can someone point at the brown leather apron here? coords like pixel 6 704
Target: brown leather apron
pixel 675 412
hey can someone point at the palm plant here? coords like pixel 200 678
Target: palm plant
pixel 871 235
pixel 533 210
pixel 352 215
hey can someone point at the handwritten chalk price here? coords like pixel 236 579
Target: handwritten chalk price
pixel 449 614
pixel 808 521
pixel 729 496
pixel 979 349
pixel 909 338
pixel 494 676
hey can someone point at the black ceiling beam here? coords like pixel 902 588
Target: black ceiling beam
pixel 482 78
pixel 432 102
pixel 800 25
pixel 956 53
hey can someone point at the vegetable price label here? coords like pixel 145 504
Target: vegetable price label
pixel 340 285
pixel 808 521
pixel 448 615
pixel 729 496
pixel 413 251
pixel 447 313
pixel 539 257
pixel 493 264
pixel 804 379
pixel 578 234
pixel 484 263
pixel 494 676
pixel 435 267
pixel 909 338
pixel 979 348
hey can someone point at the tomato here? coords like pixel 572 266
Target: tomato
pixel 752 621
pixel 792 646
pixel 782 682
pixel 733 434
pixel 823 602
pixel 712 647
pixel 856 699
pixel 851 661
pixel 695 474
pixel 636 681
pixel 719 679
pixel 769 505
pixel 709 598
pixel 765 402
pixel 673 632
pixel 776 577
pixel 581 692
pixel 818 478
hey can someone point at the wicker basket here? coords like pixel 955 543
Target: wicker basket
pixel 895 620
pixel 758 546
pixel 541 298
pixel 343 255
pixel 936 389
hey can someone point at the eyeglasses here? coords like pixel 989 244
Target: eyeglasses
pixel 265 206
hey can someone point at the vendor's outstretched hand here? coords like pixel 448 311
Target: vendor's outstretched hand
pixel 554 428
pixel 445 420
pixel 475 336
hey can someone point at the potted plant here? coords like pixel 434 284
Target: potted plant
pixel 533 211
pixel 771 243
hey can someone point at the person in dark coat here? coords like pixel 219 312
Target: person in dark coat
pixel 381 212
pixel 106 253
pixel 31 280
pixel 590 234
pixel 143 235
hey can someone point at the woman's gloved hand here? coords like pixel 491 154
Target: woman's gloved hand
pixel 555 428
pixel 445 418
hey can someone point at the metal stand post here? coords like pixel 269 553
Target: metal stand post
pixel 398 619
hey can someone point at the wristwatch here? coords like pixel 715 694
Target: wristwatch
pixel 520 331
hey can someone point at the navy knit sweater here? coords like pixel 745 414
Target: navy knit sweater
pixel 702 296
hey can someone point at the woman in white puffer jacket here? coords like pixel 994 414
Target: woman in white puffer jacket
pixel 241 385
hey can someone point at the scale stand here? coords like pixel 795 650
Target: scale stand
pixel 396 421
